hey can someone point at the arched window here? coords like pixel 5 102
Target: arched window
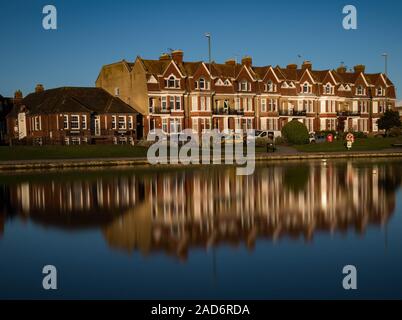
pixel 270 86
pixel 359 90
pixel 201 83
pixel 380 91
pixel 306 88
pixel 328 89
pixel 171 82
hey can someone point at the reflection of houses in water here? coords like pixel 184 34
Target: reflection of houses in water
pixel 206 208
pixel 72 203
pixel 175 211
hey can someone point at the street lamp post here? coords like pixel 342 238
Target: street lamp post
pixel 208 35
pixel 385 55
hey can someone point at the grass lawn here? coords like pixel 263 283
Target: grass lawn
pixel 367 144
pixel 70 152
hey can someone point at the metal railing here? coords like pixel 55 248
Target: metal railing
pixel 228 111
pixel 348 113
pixel 293 113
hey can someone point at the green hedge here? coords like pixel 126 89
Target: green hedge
pixel 295 132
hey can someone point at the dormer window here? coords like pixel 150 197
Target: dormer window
pixel 306 88
pixel 244 86
pixel 380 91
pixel 202 84
pixel 328 89
pixel 219 82
pixel 227 83
pixel 359 90
pixel 270 86
pixel 172 82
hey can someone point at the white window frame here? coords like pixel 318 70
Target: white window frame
pixel 194 103
pixel 66 124
pixel 124 122
pixel 164 103
pixel 84 122
pixel 165 125
pixel 77 121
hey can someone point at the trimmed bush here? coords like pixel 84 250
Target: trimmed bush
pixel 394 132
pixel 295 132
pixel 280 141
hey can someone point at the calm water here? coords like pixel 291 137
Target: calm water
pixel 285 232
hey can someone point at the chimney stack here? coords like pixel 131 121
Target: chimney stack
pixel 341 69
pixel 230 62
pixel 359 68
pixel 307 65
pixel 18 95
pixel 247 61
pixel 177 56
pixel 39 88
pixel 292 66
pixel 164 57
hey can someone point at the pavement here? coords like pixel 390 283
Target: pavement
pixel 281 153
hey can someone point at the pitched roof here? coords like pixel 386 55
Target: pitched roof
pixel 74 99
pixel 223 70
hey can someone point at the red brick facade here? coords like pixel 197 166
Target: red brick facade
pixel 234 96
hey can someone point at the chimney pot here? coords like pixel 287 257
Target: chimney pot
pixel 341 69
pixel 18 95
pixel 177 56
pixel 39 88
pixel 292 66
pixel 359 68
pixel 230 62
pixel 247 61
pixel 164 56
pixel 307 65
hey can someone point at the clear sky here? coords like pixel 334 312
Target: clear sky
pixel 95 32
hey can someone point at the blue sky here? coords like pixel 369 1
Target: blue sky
pixel 92 33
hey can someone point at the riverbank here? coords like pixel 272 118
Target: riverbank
pixel 283 153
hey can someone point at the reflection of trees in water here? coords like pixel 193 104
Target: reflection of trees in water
pixel 296 177
pixel 175 211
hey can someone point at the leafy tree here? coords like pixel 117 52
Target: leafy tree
pixel 295 132
pixel 390 119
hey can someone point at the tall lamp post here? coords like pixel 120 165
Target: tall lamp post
pixel 208 35
pixel 385 55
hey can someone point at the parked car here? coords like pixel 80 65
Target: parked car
pixel 235 137
pixel 266 133
pixel 317 138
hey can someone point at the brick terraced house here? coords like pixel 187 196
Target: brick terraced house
pixel 71 115
pixel 173 94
